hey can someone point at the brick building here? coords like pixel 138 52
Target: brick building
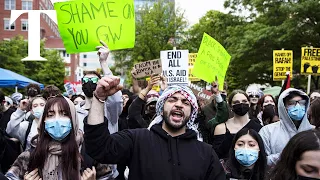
pixel 49 30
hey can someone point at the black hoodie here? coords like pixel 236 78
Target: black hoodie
pixel 154 154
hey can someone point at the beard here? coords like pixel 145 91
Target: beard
pixel 173 126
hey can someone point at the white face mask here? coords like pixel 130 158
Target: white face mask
pixel 37 112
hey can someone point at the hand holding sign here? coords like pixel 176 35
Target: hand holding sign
pixel 163 83
pixel 153 81
pixel 103 51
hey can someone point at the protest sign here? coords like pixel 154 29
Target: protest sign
pixel 212 60
pixel 310 61
pixel 147 68
pixel 282 63
pixel 83 23
pixel 192 60
pixel 69 89
pixel 201 93
pixel 175 66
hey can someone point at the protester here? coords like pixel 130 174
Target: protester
pixel 24 127
pixel 254 97
pixel 55 152
pixel 269 115
pixel 50 91
pixel 225 132
pixel 314 113
pixel 32 90
pixel 16 98
pixel 78 99
pixel 265 102
pixel 168 150
pixel 7 110
pixel 247 156
pixel 143 107
pixel 300 159
pixel 127 97
pixel 292 107
pixel 314 94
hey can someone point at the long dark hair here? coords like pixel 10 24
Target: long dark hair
pixel 315 112
pixel 259 170
pixel 298 144
pixel 261 101
pixel 70 153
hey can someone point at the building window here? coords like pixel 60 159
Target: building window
pixel 26 5
pixel 7 26
pixel 84 56
pixel 24 25
pixel 84 64
pixel 9 4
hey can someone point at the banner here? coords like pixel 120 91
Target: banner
pixel 175 66
pixel 192 60
pixel 212 60
pixel 83 23
pixel 282 63
pixel 310 61
pixel 147 68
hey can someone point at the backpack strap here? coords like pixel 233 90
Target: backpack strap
pixel 30 120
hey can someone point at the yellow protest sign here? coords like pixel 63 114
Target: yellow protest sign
pixel 156 87
pixel 192 60
pixel 282 63
pixel 310 61
pixel 212 60
pixel 83 23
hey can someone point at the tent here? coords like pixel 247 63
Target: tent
pixel 11 79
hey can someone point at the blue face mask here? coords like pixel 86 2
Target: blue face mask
pixel 297 112
pixel 37 112
pixel 58 129
pixel 246 157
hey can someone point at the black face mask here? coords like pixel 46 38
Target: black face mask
pixel 224 97
pixel 240 109
pixel 32 92
pixel 88 88
pixel 306 178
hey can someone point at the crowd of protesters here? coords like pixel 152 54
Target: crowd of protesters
pixel 109 132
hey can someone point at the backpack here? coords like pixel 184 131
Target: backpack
pixel 30 120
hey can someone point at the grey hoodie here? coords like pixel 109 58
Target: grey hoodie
pixel 275 136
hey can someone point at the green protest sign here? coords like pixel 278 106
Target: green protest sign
pixel 212 60
pixel 83 23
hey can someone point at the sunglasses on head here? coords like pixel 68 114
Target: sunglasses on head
pixel 93 79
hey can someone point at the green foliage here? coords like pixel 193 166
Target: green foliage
pixel 155 26
pixel 47 72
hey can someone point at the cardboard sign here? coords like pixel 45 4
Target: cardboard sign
pixel 201 93
pixel 192 60
pixel 310 61
pixel 69 89
pixel 83 23
pixel 282 63
pixel 147 68
pixel 212 60
pixel 175 66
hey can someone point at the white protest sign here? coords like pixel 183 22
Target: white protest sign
pixel 69 88
pixel 147 68
pixel 175 66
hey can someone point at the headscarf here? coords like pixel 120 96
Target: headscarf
pixel 188 94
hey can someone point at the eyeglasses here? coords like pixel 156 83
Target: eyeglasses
pixel 293 102
pixel 93 79
pixel 253 96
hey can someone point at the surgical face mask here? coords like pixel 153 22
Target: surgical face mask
pixel 246 157
pixel 37 112
pixel 59 128
pixel 297 112
pixel 240 109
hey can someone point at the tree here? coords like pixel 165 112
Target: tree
pixel 156 25
pixel 46 72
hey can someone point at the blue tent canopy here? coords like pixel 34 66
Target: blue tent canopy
pixel 12 79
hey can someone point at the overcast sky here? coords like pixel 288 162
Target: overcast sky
pixel 195 9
